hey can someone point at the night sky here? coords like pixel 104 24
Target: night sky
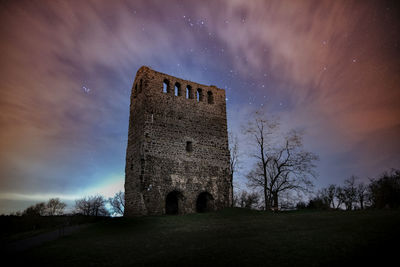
pixel 328 68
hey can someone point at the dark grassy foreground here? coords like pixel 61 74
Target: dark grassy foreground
pixel 230 237
pixel 14 228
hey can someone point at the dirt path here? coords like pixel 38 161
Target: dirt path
pixel 24 244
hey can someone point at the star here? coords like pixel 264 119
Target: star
pixel 86 89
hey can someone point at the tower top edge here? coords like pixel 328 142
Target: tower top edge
pixel 148 69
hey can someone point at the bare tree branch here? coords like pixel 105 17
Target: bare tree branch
pixel 281 163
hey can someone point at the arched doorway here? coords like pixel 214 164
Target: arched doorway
pixel 172 202
pixel 205 202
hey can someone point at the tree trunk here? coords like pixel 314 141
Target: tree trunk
pixel 275 207
pixel 231 190
pixel 266 200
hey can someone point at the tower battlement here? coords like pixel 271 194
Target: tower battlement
pixel 154 82
pixel 177 158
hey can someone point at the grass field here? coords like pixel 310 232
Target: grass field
pixel 14 228
pixel 232 237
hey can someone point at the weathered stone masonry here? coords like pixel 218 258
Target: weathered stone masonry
pixel 177 159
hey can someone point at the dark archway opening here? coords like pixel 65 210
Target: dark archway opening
pixel 172 202
pixel 205 202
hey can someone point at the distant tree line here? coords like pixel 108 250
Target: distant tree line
pixel 248 200
pixel 96 205
pixel 91 206
pixel 52 207
pixel 381 192
pixel 282 166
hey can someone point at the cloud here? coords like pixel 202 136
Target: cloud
pixel 66 73
pixel 328 64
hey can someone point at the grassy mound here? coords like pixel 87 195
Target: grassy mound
pixel 230 237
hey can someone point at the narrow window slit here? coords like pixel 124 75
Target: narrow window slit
pixel 178 89
pixel 189 146
pixel 199 95
pixel 189 92
pixel 166 86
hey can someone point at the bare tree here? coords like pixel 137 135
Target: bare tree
pixel 361 194
pixel 282 163
pixel 248 200
pixel 234 158
pixel 340 196
pixel 350 192
pixel 91 206
pixel 50 208
pixel 257 179
pixel 55 207
pixel 38 209
pixel 259 129
pixel 333 195
pixel 118 203
pixel 318 203
pixel 328 194
pixel 384 192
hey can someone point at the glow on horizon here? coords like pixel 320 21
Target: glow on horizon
pixel 107 188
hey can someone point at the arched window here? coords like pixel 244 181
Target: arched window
pixel 189 92
pixel 178 89
pixel 210 97
pixel 199 95
pixel 166 86
pixel 141 85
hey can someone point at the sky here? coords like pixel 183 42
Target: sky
pixel 328 68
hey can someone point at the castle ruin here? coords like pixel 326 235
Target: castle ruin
pixel 177 158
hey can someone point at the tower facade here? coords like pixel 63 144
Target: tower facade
pixel 177 158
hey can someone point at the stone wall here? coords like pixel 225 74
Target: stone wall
pixel 163 126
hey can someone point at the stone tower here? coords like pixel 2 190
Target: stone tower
pixel 177 159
